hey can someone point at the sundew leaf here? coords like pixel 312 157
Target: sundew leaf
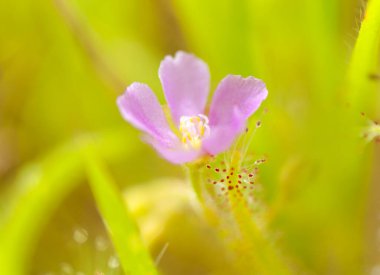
pixel 133 255
pixel 37 191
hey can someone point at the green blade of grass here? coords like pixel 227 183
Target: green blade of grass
pixel 133 255
pixel 37 191
pixel 364 65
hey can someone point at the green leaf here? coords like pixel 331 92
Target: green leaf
pixel 37 191
pixel 364 62
pixel 133 254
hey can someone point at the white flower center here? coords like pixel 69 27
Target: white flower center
pixel 193 130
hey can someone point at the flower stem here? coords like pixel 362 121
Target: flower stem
pixel 195 178
pixel 364 62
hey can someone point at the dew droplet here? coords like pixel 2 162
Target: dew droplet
pixel 375 270
pixel 113 262
pixel 101 243
pixel 67 268
pixel 80 235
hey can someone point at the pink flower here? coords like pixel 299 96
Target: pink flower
pixel 185 80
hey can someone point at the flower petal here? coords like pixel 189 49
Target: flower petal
pixel 175 153
pixel 185 80
pixel 140 107
pixel 223 135
pixel 235 100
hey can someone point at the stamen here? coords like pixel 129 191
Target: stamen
pixel 193 130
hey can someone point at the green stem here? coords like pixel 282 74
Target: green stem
pixel 364 62
pixel 195 180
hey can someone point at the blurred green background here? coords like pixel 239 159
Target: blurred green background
pixel 64 62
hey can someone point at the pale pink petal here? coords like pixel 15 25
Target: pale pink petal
pixel 223 135
pixel 176 152
pixel 140 107
pixel 185 80
pixel 234 101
